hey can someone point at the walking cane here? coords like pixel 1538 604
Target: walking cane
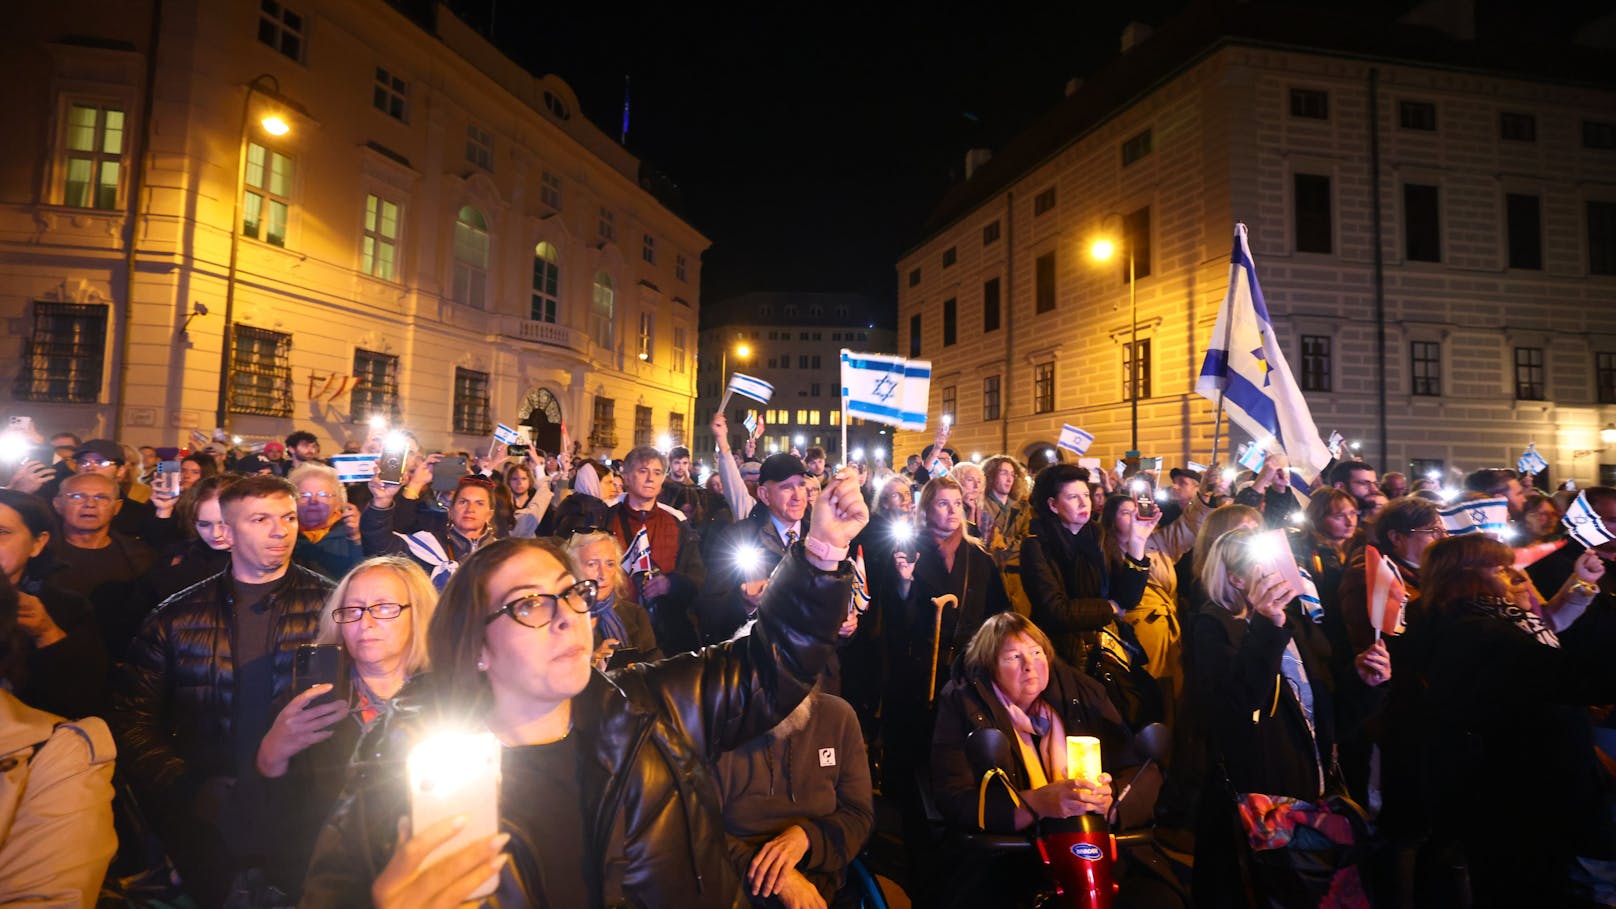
pixel 942 603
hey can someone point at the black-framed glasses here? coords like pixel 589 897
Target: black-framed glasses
pixel 382 611
pixel 536 610
pixel 1435 532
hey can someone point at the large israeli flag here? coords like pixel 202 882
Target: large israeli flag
pixel 886 389
pixel 1246 369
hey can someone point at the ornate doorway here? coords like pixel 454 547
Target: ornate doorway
pixel 541 414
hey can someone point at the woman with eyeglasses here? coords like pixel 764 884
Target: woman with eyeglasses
pixel 328 527
pixel 607 795
pixel 378 614
pixel 393 524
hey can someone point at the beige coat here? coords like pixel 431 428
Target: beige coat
pixel 56 836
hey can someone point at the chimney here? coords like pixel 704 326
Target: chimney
pixel 1133 34
pixel 975 158
pixel 1072 85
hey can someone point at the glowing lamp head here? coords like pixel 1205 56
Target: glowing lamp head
pixel 1102 250
pixel 1355 445
pixel 1608 434
pixel 743 351
pixel 275 125
pixel 1448 493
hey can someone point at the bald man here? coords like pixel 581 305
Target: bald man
pixel 102 564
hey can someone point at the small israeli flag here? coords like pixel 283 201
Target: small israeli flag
pixel 1530 461
pixel 637 559
pixel 1196 466
pixel 1334 443
pixel 750 422
pixel 749 387
pixel 1075 440
pixel 1585 525
pixel 1489 516
pixel 1252 456
pixel 1150 464
pixel 505 434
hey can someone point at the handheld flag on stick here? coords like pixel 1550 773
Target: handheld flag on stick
pixel 747 387
pixel 1334 444
pixel 1489 516
pixel 505 434
pixel 861 586
pixel 1246 373
pixel 750 421
pixel 1387 594
pixel 1530 462
pixel 1075 440
pixel 1585 525
pixel 886 389
pixel 638 558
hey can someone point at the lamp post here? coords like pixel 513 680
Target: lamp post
pixel 275 126
pixel 743 352
pixel 1102 250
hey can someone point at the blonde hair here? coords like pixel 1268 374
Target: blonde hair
pixel 575 546
pixel 965 469
pixel 417 586
pixel 320 471
pixel 1222 520
pixel 982 653
pixel 1231 556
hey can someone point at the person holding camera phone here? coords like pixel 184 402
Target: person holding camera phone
pixel 606 792
pixel 394 523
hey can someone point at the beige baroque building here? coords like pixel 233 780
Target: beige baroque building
pixel 435 235
pixel 1492 254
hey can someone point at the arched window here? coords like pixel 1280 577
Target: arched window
pixel 471 258
pixel 602 305
pixel 546 281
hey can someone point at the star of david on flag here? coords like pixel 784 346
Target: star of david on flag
pixel 1585 525
pixel 1489 516
pixel 1530 461
pixel 886 389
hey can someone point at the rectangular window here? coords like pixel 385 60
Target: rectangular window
pixel 268 195
pixel 1422 228
pixel 914 335
pixel 646 325
pixel 550 190
pixel 61 361
pixel 648 249
pixel 1517 127
pixel 1043 388
pixel 990 398
pixel 1598 135
pixel 1044 283
pixel 1605 377
pixel 680 270
pixel 603 429
pixel 1044 201
pixel 260 372
pixel 1313 225
pixel 802 418
pixel 950 256
pixel 642 425
pixel 94 146
pixel 391 95
pixel 1525 231
pixel 1137 227
pixel 835 418
pixel 1425 368
pixel 1416 115
pixel 990 234
pixel 1310 103
pixel 679 351
pixel 950 321
pixel 914 277
pixel 376 394
pixel 1136 148
pixel 1529 374
pixel 990 305
pixel 676 428
pixel 1143 375
pixel 815 360
pixel 1602 238
pixel 379 253
pixel 607 228
pixel 480 148
pixel 1315 363
pixel 949 403
pixel 281 28
pixel 546 277
pixel 471 403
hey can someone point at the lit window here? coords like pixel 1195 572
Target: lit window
pixel 1043 388
pixel 602 303
pixel 94 157
pixel 260 372
pixel 471 402
pixel 646 328
pixel 679 352
pixel 380 252
pixel 470 258
pixel 546 283
pixel 62 360
pixel 268 196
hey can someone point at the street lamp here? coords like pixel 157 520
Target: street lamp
pixel 1608 434
pixel 275 125
pixel 1102 250
pixel 743 352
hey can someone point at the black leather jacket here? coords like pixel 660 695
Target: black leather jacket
pixel 647 739
pixel 171 702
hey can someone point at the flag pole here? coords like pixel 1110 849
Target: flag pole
pixel 846 459
pixel 1217 417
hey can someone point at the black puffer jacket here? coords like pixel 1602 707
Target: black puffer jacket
pixel 647 739
pixel 172 699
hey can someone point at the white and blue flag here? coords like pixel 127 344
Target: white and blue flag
pixel 750 422
pixel 1245 368
pixel 1585 525
pixel 505 435
pixel 750 387
pixel 1530 461
pixel 1334 443
pixel 1075 440
pixel 1489 516
pixel 886 389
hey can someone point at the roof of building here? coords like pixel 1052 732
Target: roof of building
pixel 1209 25
pixel 763 308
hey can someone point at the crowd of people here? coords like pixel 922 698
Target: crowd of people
pixel 701 689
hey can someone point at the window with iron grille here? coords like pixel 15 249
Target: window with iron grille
pixel 1043 388
pixel 990 233
pixel 1136 148
pixel 1315 363
pixel 1602 238
pixel 990 398
pixel 391 95
pixel 642 425
pixel 1517 127
pixel 1419 115
pixel 268 196
pixel 94 150
pixel 62 359
pixel 1144 370
pixel 1529 374
pixel 1310 103
pixel 676 428
pixel 281 28
pixel 480 147
pixel 950 321
pixel 1605 377
pixel 1043 284
pixel 950 402
pixel 1425 368
pixel 376 394
pixel 1044 201
pixel 260 372
pixel 990 305
pixel 471 403
pixel 603 432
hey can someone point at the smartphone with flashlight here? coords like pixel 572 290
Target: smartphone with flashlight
pixel 167 477
pixel 456 774
pixel 390 466
pixel 1273 551
pixel 1140 489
